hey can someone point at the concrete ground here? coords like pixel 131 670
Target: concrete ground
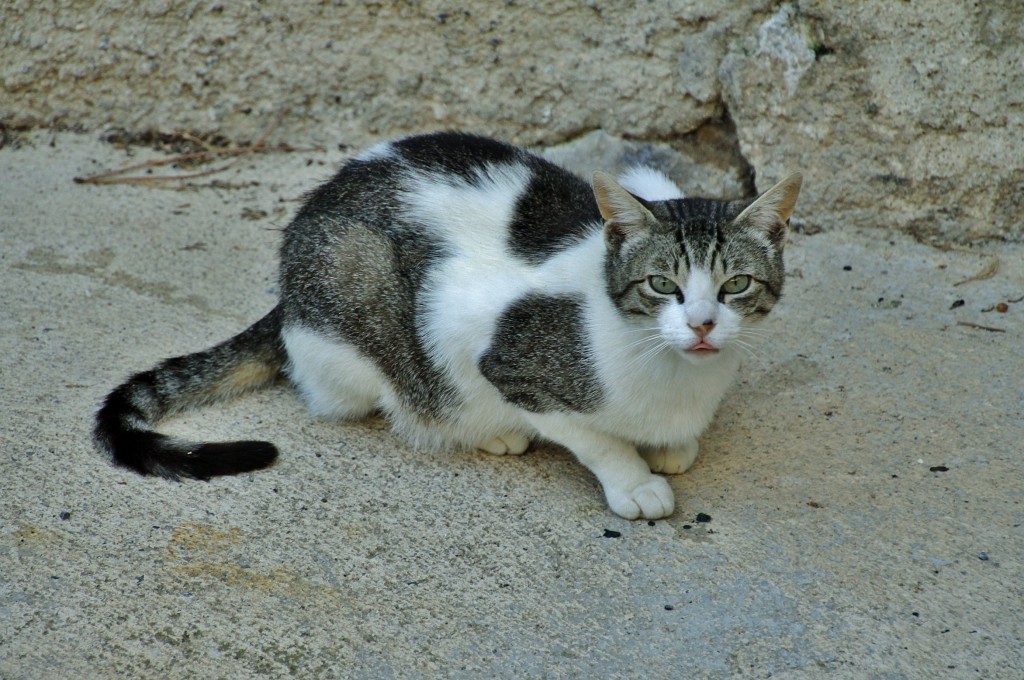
pixel 857 510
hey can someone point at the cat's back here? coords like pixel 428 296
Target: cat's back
pixel 455 189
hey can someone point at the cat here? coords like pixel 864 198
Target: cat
pixel 482 297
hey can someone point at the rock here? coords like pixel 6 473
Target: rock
pixel 905 115
pixel 896 122
pixel 598 150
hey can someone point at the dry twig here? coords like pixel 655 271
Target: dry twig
pixel 968 324
pixel 239 152
pixel 986 272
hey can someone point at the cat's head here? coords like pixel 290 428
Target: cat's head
pixel 698 272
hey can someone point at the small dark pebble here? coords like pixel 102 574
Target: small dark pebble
pixel 65 515
pixel 651 523
pixel 983 556
pixel 608 533
pixel 687 526
pixel 702 518
pixel 669 607
pixel 917 614
pixel 938 468
pixel 957 303
pixel 847 268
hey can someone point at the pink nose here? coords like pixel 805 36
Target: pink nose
pixel 705 328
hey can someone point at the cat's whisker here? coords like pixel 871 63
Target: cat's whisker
pixel 749 349
pixel 646 329
pixel 642 360
pixel 641 347
pixel 758 336
pixel 642 341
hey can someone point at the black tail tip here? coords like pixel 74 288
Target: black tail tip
pixel 224 458
pixel 151 453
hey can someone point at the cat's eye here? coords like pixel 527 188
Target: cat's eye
pixel 736 284
pixel 662 285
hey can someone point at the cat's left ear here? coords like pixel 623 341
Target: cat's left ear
pixel 770 212
pixel 624 215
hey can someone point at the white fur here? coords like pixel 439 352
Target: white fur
pixel 656 396
pixel 649 184
pixel 376 152
pixel 334 378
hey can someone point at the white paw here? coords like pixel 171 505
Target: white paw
pixel 511 443
pixel 650 500
pixel 672 461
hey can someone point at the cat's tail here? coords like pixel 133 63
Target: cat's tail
pixel 124 424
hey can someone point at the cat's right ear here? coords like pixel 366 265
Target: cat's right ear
pixel 770 212
pixel 624 215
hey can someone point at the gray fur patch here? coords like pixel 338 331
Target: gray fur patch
pixel 353 269
pixel 539 358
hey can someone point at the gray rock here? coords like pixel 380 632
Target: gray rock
pixel 905 115
pixel 910 116
pixel 598 150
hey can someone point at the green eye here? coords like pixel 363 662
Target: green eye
pixel 662 285
pixel 736 284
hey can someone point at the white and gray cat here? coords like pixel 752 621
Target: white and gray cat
pixel 482 297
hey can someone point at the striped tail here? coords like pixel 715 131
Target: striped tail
pixel 124 424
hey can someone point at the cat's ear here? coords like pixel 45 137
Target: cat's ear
pixel 770 212
pixel 624 215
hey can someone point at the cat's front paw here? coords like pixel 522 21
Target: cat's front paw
pixel 651 500
pixel 671 461
pixel 510 443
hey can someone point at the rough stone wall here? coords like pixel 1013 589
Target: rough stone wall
pixel 900 114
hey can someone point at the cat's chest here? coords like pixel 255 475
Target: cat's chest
pixel 664 401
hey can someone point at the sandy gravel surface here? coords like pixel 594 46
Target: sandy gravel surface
pixel 857 510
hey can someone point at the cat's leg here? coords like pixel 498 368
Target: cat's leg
pixel 511 443
pixel 334 378
pixel 671 460
pixel 630 488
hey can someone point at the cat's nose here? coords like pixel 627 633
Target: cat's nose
pixel 703 329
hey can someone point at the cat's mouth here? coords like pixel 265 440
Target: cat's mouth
pixel 702 346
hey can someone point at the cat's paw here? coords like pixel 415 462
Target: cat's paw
pixel 511 443
pixel 651 500
pixel 672 461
